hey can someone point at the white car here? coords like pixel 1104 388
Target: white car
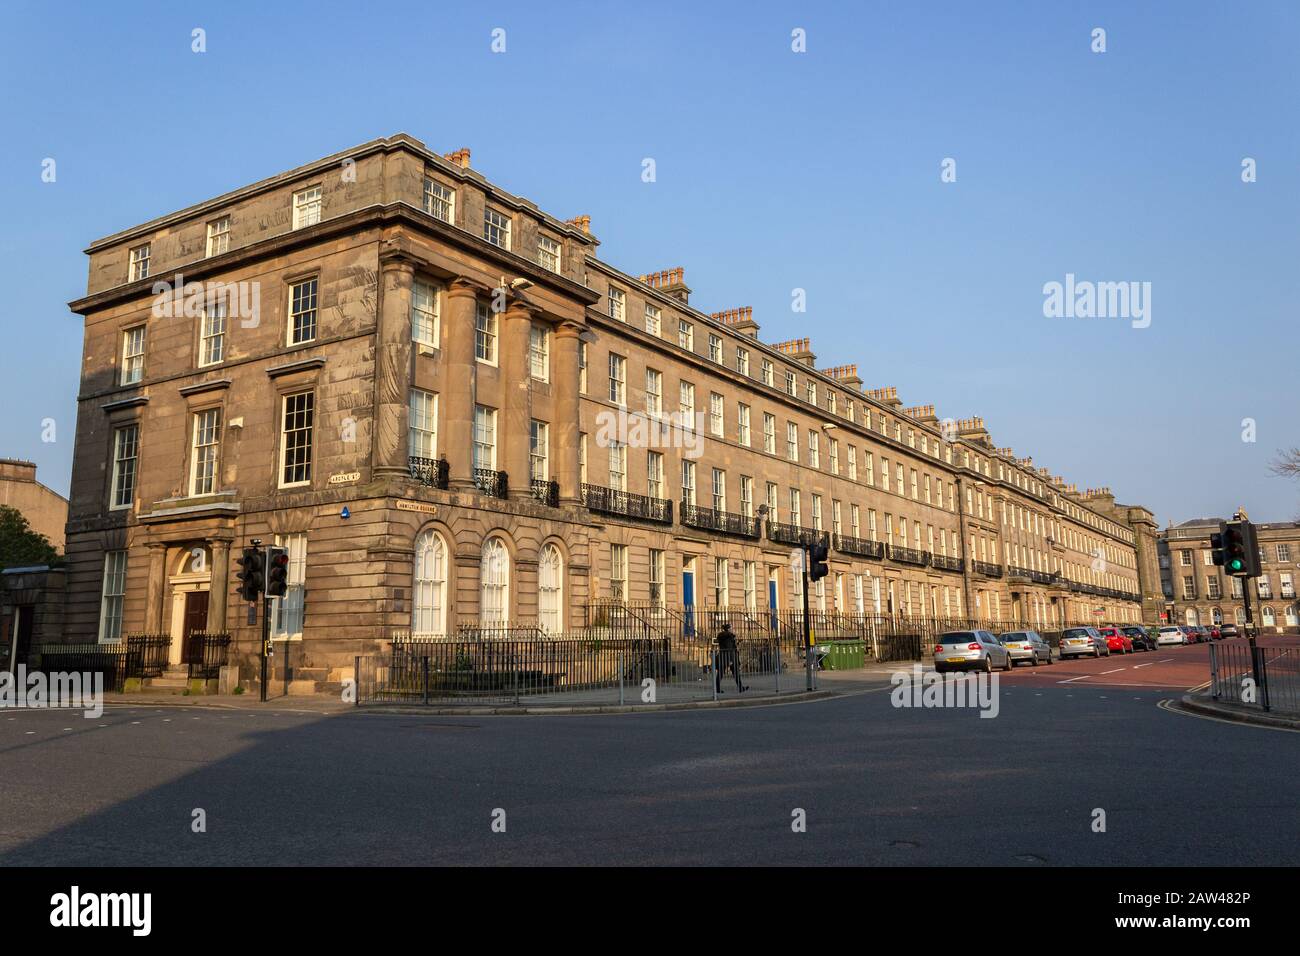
pixel 1170 635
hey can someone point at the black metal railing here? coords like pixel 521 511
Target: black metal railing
pixel 495 484
pixel 945 563
pixel 862 547
pixel 781 532
pixel 433 472
pixel 1266 677
pixel 723 522
pixel 896 552
pixel 987 569
pixel 626 504
pixel 147 654
pixel 547 492
pixel 110 660
pixel 205 654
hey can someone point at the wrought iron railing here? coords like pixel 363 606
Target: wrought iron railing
pixel 944 563
pixel 782 533
pixel 896 552
pixel 723 522
pixel 626 504
pixel 987 569
pixel 547 492
pixel 205 654
pixel 862 547
pixel 495 484
pixel 430 471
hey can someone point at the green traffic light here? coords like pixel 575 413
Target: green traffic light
pixel 1235 564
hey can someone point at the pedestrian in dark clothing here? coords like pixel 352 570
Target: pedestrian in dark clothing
pixel 728 656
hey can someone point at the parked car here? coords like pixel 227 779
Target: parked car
pixel 1215 633
pixel 1189 634
pixel 1202 634
pixel 1026 646
pixel 1083 642
pixel 1142 641
pixel 969 650
pixel 1229 630
pixel 1171 634
pixel 1117 640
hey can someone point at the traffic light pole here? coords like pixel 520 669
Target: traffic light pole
pixel 807 624
pixel 266 641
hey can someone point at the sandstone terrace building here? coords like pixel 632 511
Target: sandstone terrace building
pixel 459 426
pixel 1198 592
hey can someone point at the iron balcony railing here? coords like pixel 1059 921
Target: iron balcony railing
pixel 1039 577
pixel 797 535
pixel 547 492
pixel 625 504
pixel 495 484
pixel 904 555
pixel 723 522
pixel 430 471
pixel 987 569
pixel 862 547
pixel 945 563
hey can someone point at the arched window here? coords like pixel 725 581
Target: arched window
pixel 1191 617
pixel 1268 619
pixel 550 590
pixel 429 591
pixel 1217 616
pixel 494 583
pixel 1291 615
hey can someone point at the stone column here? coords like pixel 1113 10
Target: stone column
pixel 156 593
pixel 393 367
pixel 565 428
pixel 516 415
pixel 457 437
pixel 219 587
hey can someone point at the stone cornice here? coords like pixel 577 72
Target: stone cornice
pixel 378 215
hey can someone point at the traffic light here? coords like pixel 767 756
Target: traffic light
pixel 277 571
pixel 819 551
pixel 1217 553
pixel 1240 549
pixel 251 574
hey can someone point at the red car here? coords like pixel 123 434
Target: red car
pixel 1215 634
pixel 1117 640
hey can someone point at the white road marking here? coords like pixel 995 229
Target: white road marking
pixel 1073 679
pixel 1136 666
pixel 1116 670
pixel 1165 661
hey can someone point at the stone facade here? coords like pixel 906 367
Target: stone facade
pixel 470 372
pixel 45 510
pixel 1198 592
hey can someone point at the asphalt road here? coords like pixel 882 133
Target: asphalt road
pixel 879 785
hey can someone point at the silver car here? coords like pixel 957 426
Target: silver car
pixel 1083 642
pixel 1026 646
pixel 969 650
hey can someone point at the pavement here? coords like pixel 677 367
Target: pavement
pixel 874 783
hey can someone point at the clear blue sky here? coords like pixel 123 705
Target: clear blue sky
pixel 776 170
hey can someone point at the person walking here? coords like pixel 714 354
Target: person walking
pixel 728 656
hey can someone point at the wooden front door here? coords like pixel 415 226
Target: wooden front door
pixel 196 619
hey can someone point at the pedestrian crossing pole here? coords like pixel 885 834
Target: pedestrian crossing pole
pixel 807 624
